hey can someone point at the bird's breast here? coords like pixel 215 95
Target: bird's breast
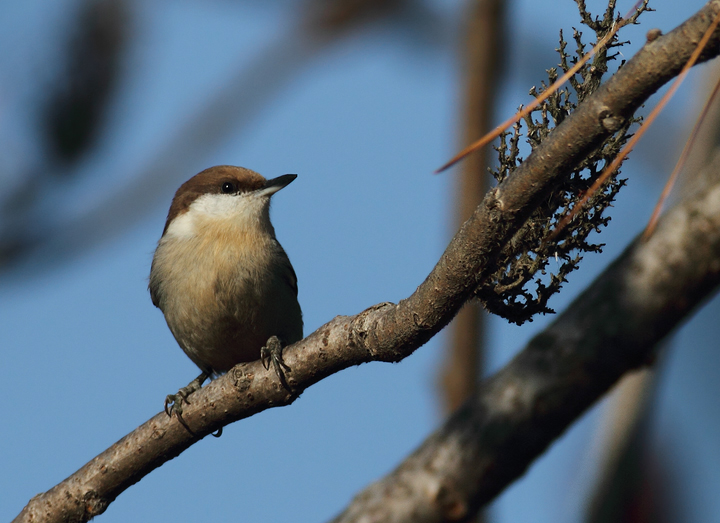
pixel 221 295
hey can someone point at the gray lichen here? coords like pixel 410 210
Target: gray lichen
pixel 523 282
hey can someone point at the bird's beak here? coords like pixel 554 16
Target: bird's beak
pixel 274 185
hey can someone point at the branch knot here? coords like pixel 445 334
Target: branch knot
pixel 364 328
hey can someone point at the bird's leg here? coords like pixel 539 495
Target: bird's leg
pixel 272 353
pixel 173 402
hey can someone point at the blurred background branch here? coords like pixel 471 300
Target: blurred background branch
pixel 482 48
pixel 633 483
pixel 482 44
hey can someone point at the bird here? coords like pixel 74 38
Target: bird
pixel 224 283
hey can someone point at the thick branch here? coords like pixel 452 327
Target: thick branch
pixel 385 332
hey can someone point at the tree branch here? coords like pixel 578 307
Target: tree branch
pixel 389 332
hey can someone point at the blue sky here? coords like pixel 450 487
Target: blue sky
pixel 87 358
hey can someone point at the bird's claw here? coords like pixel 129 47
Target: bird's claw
pixel 174 402
pixel 271 353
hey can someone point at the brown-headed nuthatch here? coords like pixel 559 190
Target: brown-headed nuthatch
pixel 222 280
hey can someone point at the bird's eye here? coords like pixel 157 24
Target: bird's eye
pixel 228 187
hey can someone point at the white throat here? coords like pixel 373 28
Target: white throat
pixel 249 213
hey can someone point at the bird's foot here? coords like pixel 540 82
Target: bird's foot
pixel 271 353
pixel 174 402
